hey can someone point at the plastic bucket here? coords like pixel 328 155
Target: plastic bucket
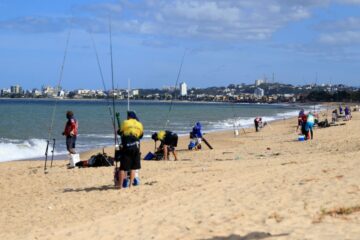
pixel 74 159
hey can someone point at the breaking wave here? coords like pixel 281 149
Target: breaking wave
pixel 11 149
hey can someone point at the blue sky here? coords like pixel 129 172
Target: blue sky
pixel 226 41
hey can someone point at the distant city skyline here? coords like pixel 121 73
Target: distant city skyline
pixel 226 42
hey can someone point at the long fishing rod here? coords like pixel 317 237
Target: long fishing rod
pixel 128 96
pixel 316 79
pixel 104 85
pixel 236 132
pixel 52 152
pixel 55 103
pixel 176 83
pixel 116 116
pixel 112 81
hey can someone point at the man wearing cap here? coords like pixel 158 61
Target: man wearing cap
pixel 131 131
pixel 70 132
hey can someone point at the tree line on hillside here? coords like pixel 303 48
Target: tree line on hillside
pixel 338 96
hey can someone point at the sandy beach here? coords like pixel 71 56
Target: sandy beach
pixel 264 185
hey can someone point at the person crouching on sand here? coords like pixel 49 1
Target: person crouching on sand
pixel 70 132
pixel 197 135
pixel 168 141
pixel 131 131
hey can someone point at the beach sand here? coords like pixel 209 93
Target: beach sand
pixel 264 185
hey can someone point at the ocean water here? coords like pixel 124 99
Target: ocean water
pixel 25 124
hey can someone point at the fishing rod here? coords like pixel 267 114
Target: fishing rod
pixel 176 83
pixel 55 105
pixel 52 152
pixel 103 83
pixel 128 96
pixel 236 132
pixel 116 115
pixel 242 128
pixel 316 79
pixel 112 81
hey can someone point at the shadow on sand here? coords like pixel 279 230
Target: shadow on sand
pixel 250 236
pixel 90 189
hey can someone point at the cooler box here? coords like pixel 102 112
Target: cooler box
pixel 301 138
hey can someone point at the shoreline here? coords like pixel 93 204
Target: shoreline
pixel 175 101
pixel 263 183
pixel 63 156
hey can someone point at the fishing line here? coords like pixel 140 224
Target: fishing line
pixel 55 104
pixel 59 84
pixel 103 82
pixel 112 81
pixel 176 83
pixel 238 124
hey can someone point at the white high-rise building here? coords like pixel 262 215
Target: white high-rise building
pixel 15 89
pixel 183 89
pixel 259 92
pixel 259 82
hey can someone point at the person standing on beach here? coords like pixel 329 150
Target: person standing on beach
pixel 334 116
pixel 257 122
pixel 168 141
pixel 303 125
pixel 300 116
pixel 131 131
pixel 310 120
pixel 347 113
pixel 70 132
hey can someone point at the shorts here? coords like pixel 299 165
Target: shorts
pixel 171 140
pixel 299 122
pixel 130 159
pixel 70 142
pixel 308 126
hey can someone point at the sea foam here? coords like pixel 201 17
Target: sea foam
pixel 11 149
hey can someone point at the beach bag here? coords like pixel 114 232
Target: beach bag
pixel 191 145
pixel 100 160
pixel 82 164
pixel 74 159
pixel 149 156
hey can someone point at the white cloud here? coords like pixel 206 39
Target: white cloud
pixel 202 11
pixel 35 24
pixel 228 20
pixel 340 32
pixel 350 23
pixel 341 38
